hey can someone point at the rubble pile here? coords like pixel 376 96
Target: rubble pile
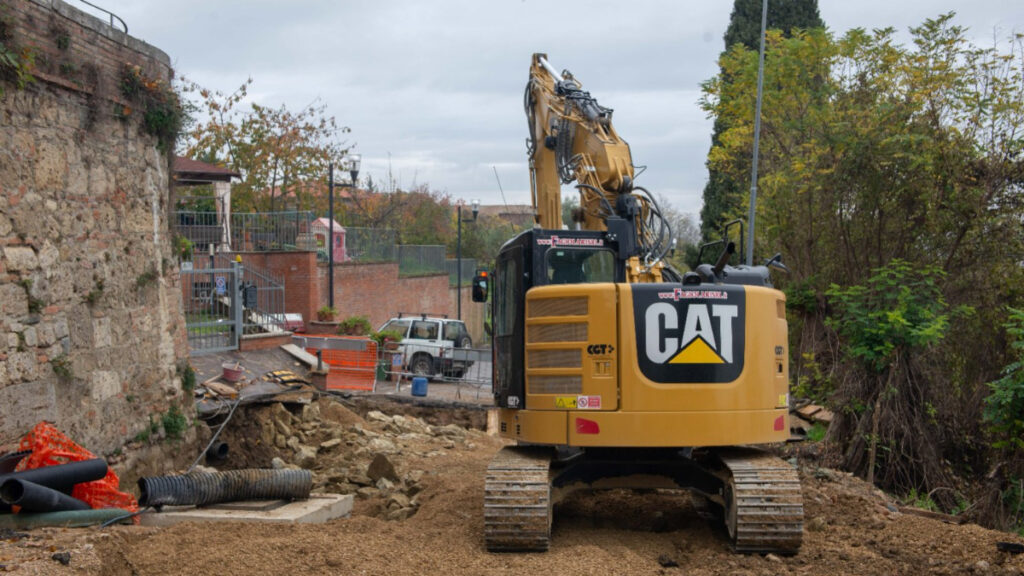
pixel 375 458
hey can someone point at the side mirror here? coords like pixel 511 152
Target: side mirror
pixel 480 286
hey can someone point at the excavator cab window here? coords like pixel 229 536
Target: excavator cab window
pixel 577 266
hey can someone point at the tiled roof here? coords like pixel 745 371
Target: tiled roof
pixel 187 170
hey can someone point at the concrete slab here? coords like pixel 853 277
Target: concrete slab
pixel 318 509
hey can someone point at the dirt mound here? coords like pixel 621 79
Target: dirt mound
pixel 850 527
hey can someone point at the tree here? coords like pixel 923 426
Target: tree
pixel 785 15
pixel 872 152
pixel 724 192
pixel 273 148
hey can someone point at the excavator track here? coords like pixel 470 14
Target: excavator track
pixel 517 501
pixel 764 510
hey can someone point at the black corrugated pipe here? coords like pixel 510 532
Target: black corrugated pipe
pixel 218 451
pixel 204 488
pixel 62 477
pixel 34 497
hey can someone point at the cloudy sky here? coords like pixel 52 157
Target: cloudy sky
pixel 433 89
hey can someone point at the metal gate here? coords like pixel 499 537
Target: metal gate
pixel 213 311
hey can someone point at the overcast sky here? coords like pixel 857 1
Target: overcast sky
pixel 434 88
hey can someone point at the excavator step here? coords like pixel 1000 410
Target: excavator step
pixel 763 506
pixel 517 501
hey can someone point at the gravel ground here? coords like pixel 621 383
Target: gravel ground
pixel 850 528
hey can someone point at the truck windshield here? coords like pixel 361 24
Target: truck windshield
pixel 575 265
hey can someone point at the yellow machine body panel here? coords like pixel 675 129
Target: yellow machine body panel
pixel 653 365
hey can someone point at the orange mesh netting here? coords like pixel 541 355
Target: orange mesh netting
pixel 351 369
pixel 50 447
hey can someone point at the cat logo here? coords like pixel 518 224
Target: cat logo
pixel 692 336
pixel 698 344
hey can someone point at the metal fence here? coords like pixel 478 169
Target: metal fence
pixel 468 270
pixel 393 369
pixel 248 232
pixel 261 293
pixel 212 317
pixel 415 260
pixel 370 244
pixel 269 231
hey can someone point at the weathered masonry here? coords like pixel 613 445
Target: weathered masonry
pixel 90 308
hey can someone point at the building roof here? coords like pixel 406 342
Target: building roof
pixel 323 222
pixel 191 172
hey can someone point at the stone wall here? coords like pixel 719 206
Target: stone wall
pixel 91 328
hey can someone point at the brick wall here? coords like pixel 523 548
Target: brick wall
pixel 90 303
pixel 300 275
pixel 377 292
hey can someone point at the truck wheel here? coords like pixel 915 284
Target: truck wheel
pixel 422 365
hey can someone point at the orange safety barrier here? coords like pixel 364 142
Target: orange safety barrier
pixel 50 447
pixel 350 369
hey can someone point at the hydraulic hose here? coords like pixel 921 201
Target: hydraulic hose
pixel 205 488
pixel 66 518
pixel 34 497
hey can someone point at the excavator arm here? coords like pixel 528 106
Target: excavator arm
pixel 572 139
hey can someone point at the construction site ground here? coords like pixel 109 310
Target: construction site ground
pixel 416 468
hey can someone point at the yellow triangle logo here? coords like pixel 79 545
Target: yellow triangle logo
pixel 697 352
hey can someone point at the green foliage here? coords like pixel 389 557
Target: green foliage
pixel 326 313
pixel 95 294
pixel 183 247
pixel 725 191
pixel 812 382
pixel 386 336
pixel 162 113
pixel 899 307
pixel 276 150
pixel 147 278
pixel 174 423
pixel 817 432
pixel 1004 406
pixel 16 63
pixel 745 21
pixel 62 368
pixel 188 377
pixel 921 500
pixel 1013 502
pixel 355 326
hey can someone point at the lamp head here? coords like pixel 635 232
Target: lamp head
pixel 354 160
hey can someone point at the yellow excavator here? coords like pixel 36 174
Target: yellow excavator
pixel 611 370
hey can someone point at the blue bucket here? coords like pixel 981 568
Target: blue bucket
pixel 419 386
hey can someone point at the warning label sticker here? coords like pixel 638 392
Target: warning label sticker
pixel 565 402
pixel 588 402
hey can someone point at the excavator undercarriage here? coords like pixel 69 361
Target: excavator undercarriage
pixel 758 494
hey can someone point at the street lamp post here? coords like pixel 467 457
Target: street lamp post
pixel 351 162
pixel 458 252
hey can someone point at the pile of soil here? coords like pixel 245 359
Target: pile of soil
pixel 850 527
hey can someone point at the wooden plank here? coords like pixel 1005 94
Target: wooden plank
pixel 947 518
pixel 302 356
pixel 221 389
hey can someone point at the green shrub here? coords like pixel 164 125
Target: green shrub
pixel 174 423
pixel 1004 407
pixel 355 326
